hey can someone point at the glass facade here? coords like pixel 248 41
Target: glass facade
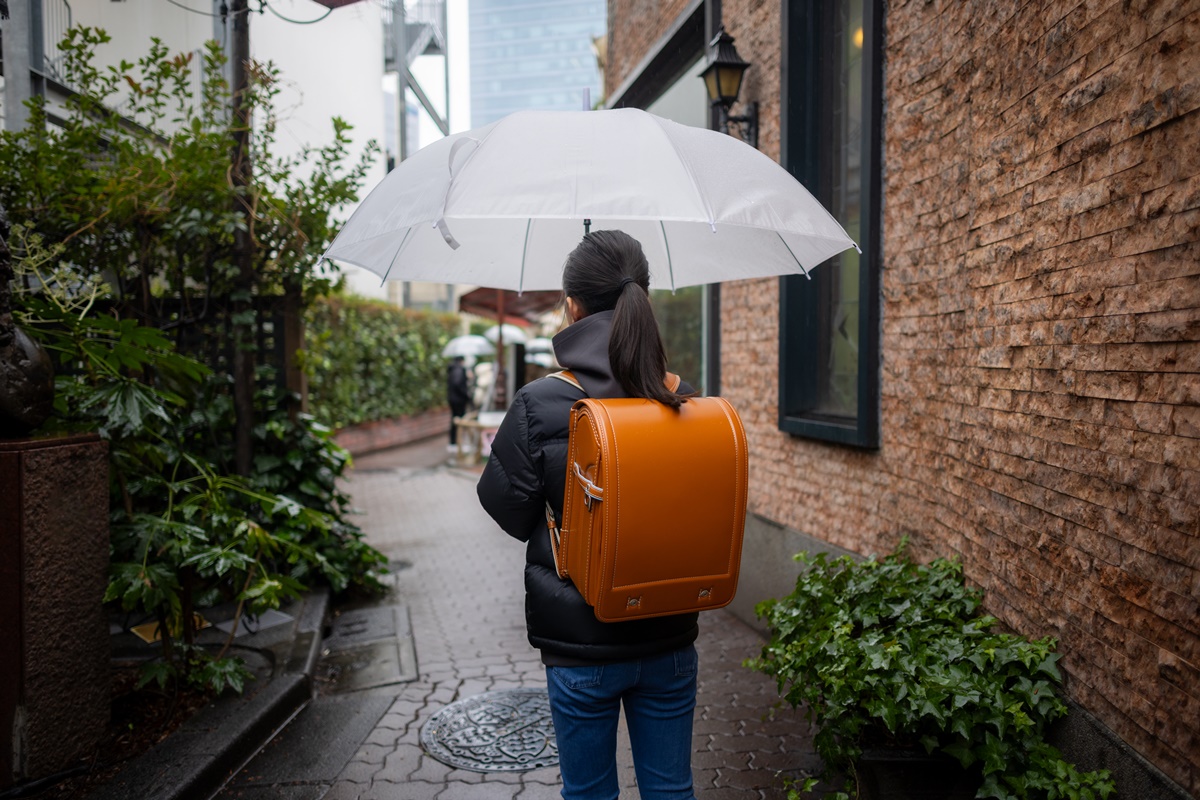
pixel 533 54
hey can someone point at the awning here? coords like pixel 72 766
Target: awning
pixel 519 309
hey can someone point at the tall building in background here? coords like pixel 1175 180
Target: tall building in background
pixel 533 54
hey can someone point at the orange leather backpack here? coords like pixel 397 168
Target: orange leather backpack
pixel 655 505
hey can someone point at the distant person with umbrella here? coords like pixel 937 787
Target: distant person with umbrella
pixel 458 395
pixel 613 347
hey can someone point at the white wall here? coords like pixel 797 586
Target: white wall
pixel 332 67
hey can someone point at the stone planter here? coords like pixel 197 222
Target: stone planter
pixel 54 648
pixel 913 775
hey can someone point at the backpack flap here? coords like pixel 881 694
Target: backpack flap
pixel 657 503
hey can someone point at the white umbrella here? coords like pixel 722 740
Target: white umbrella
pixel 512 334
pixel 467 346
pixel 501 206
pixel 540 345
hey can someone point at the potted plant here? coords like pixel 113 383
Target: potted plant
pixel 895 657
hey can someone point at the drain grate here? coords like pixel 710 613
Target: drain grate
pixel 503 731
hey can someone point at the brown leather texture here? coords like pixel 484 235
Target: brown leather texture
pixel 653 520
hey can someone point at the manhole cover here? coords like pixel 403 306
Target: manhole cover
pixel 504 731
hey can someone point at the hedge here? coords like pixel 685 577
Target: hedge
pixel 367 360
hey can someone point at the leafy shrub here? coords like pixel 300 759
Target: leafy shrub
pixel 185 533
pixel 890 653
pixel 368 360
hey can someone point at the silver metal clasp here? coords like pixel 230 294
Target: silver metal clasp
pixel 591 492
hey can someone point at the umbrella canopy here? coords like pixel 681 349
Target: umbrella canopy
pixel 502 205
pixel 468 346
pixel 541 344
pixel 511 334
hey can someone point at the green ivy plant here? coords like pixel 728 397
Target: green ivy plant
pixel 889 653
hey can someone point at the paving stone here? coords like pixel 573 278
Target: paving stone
pixel 548 775
pixel 747 779
pixel 712 759
pixel 344 790
pixel 372 754
pixel 726 793
pixel 539 791
pixel 416 790
pixel 473 687
pixel 385 737
pixel 744 744
pixel 480 791
pixel 704 778
pixel 401 763
pixel 357 772
pixel 705 727
pixel 464 595
pixel 464 776
pixel 431 769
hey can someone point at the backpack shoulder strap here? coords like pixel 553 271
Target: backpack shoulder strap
pixel 671 381
pixel 567 377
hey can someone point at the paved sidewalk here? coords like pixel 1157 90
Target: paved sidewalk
pixel 461 581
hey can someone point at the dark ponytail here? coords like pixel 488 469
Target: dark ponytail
pixel 608 270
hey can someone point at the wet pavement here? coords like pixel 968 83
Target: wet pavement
pixel 452 629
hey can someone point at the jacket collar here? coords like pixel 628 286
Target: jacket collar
pixel 583 348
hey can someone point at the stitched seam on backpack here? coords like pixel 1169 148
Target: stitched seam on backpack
pixel 597 510
pixel 615 482
pixel 567 506
pixel 743 463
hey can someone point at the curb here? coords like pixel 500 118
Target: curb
pixel 195 761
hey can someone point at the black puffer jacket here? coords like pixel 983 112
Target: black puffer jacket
pixel 528 466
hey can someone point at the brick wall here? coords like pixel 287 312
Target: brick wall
pixel 370 437
pixel 634 26
pixel 1040 334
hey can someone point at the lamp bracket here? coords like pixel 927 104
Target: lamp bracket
pixel 747 124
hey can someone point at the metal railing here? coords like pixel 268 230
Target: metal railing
pixel 425 30
pixel 56 21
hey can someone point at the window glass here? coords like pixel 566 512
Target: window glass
pixel 682 314
pixel 828 324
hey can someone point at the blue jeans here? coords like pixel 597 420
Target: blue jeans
pixel 659 694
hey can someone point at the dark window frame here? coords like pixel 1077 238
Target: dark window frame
pixel 800 310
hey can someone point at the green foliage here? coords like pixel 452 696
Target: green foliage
pixel 134 214
pixel 369 360
pixel 185 533
pixel 890 653
pixel 145 198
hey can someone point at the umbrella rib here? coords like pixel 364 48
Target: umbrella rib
pixel 688 168
pixel 667 247
pixel 793 255
pixel 524 252
pixel 392 263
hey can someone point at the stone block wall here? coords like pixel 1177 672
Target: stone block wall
pixel 54 568
pixel 1040 333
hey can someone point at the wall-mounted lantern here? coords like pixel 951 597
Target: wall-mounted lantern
pixel 723 80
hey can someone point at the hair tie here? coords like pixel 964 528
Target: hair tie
pixel 625 281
